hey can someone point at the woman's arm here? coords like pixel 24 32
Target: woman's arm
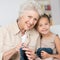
pixel 8 54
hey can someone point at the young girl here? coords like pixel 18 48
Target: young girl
pixel 49 40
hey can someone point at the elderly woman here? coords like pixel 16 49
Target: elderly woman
pixel 11 36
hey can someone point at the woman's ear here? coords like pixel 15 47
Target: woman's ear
pixel 21 17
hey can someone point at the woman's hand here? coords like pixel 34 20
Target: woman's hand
pixel 20 45
pixel 45 54
pixel 30 53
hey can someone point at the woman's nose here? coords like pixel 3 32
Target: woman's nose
pixel 31 21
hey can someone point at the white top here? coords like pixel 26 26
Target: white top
pixel 23 38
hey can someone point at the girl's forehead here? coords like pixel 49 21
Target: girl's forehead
pixel 43 19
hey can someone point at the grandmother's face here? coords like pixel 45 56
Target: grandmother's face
pixel 29 19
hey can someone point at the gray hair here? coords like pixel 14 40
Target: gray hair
pixel 30 5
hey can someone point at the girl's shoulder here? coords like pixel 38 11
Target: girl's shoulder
pixel 53 36
pixel 56 37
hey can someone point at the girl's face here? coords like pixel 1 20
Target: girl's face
pixel 43 25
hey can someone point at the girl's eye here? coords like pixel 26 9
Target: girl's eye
pixel 46 23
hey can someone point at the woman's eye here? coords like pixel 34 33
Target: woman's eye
pixel 29 16
pixel 40 25
pixel 35 19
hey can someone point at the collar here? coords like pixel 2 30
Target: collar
pixel 15 29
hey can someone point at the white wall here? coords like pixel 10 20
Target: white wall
pixel 55 29
pixel 9 10
pixel 55 5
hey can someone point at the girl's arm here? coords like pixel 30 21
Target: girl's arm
pixel 57 43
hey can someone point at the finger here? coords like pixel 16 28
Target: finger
pixel 26 49
pixel 30 52
pixel 42 51
pixel 27 52
pixel 23 44
pixel 29 57
pixel 42 54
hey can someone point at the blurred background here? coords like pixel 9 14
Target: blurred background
pixel 9 10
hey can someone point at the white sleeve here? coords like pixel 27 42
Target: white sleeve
pixel 1 54
pixel 1 42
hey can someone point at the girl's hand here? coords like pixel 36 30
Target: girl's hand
pixel 45 54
